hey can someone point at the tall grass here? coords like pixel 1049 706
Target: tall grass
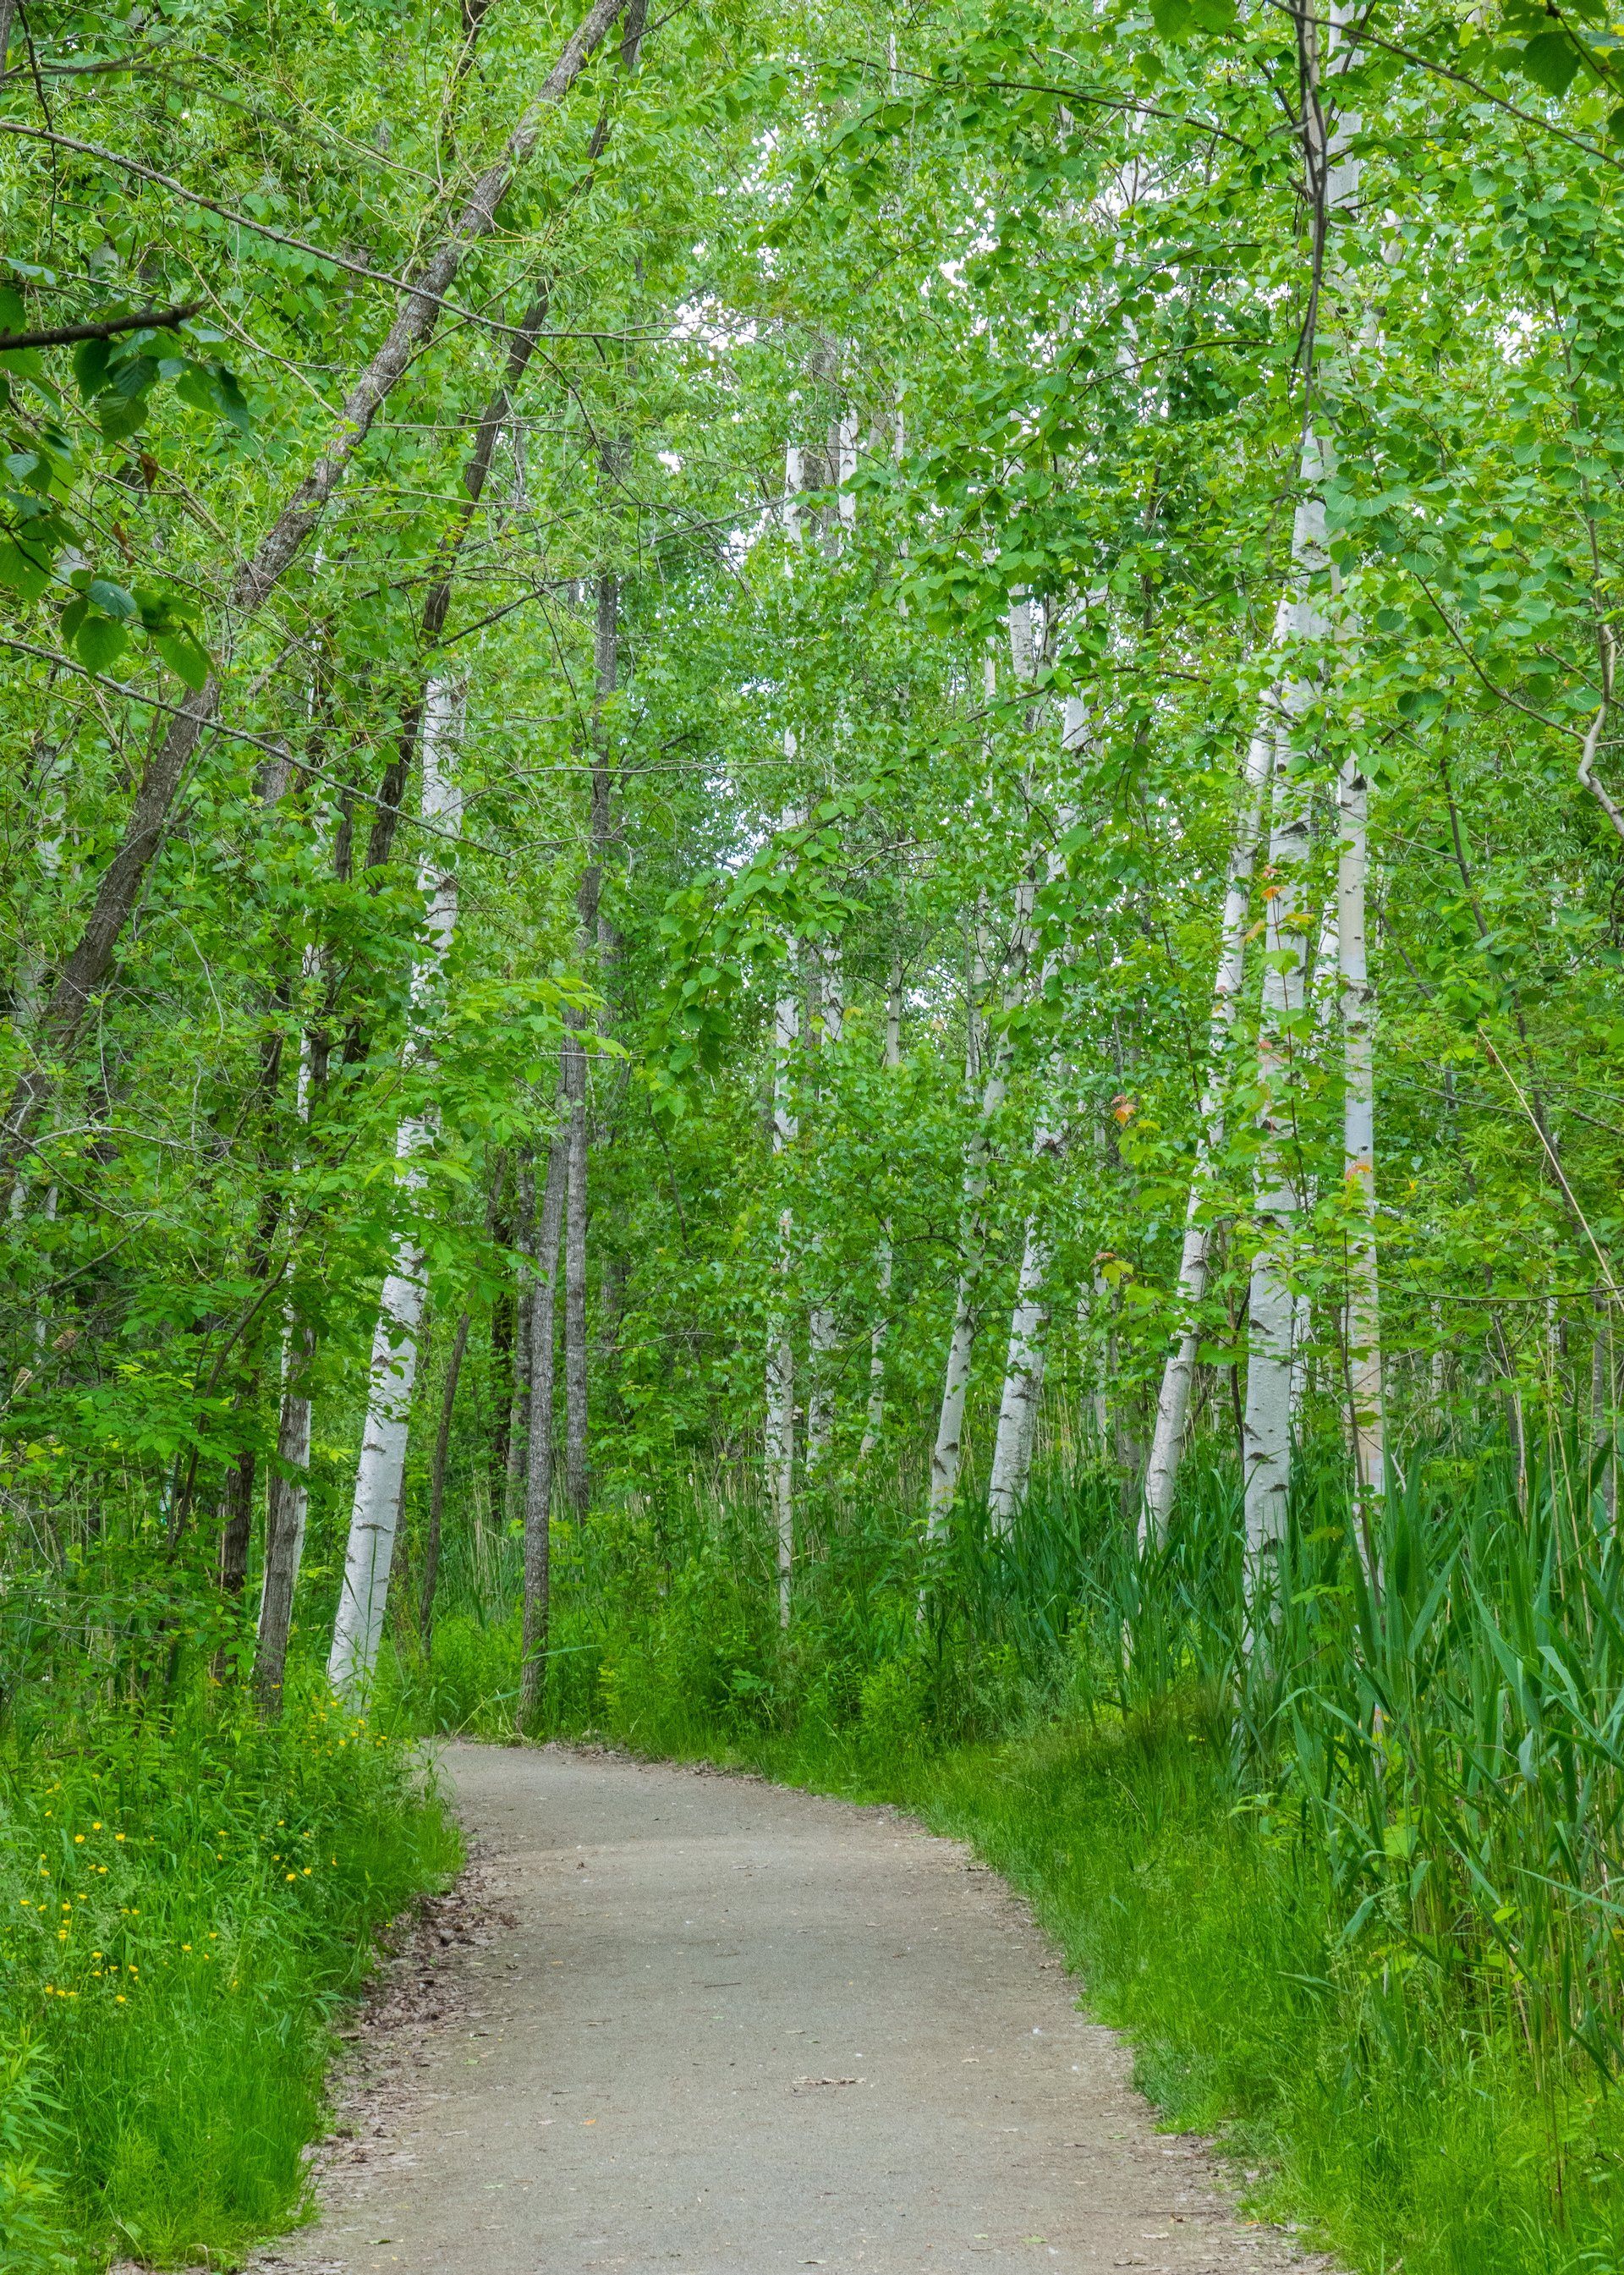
pixel 187 1897
pixel 1345 1859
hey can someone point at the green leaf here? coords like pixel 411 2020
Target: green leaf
pixel 90 361
pixel 118 417
pixel 184 658
pixel 1173 19
pixel 1615 124
pixel 1550 60
pixel 212 388
pixel 112 599
pixel 100 642
pixel 21 571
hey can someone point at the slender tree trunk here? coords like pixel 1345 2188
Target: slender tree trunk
pixel 576 1484
pixel 578 1479
pixel 358 1628
pixel 946 1454
pixel 237 1525
pixel 90 961
pixel 780 1352
pixel 287 1500
pixel 1365 1366
pixel 518 1354
pixel 822 1326
pixel 1029 1323
pixel 1267 1425
pixel 539 1453
pixel 877 1334
pixel 1333 188
pixel 1173 1402
pixel 1023 1371
pixel 436 1497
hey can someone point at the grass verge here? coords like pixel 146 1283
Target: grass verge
pixel 187 1901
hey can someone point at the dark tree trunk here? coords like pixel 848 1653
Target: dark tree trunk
pixel 539 1451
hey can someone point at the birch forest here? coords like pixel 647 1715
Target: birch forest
pixel 812 887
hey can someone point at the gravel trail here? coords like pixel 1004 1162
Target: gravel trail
pixel 698 2022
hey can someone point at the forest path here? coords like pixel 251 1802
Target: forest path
pixel 711 2024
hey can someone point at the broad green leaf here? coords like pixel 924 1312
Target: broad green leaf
pixel 1550 61
pixel 184 658
pixel 100 642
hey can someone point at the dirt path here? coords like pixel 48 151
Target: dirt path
pixel 713 2025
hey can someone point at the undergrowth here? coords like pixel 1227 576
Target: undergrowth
pixel 187 1897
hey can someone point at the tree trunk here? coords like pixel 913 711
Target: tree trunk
pixel 822 1324
pixel 1173 1402
pixel 577 1483
pixel 436 1497
pixel 877 1334
pixel 781 1352
pixel 1364 1367
pixel 237 1525
pixel 416 312
pixel 606 663
pixel 287 1500
pixel 1024 1369
pixel 1267 1425
pixel 519 1349
pixel 947 1452
pixel 539 1450
pixel 357 1627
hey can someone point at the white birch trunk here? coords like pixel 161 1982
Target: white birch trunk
pixel 287 1491
pixel 882 1278
pixel 1161 1473
pixel 357 1627
pixel 1028 1325
pixel 779 1421
pixel 845 468
pixel 1266 1425
pixel 822 1326
pixel 1364 1363
pixel 780 1350
pixel 1024 1369
pixel 946 1454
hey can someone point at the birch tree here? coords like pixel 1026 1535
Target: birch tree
pixel 357 1625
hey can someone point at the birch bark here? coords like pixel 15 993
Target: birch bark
pixel 822 1326
pixel 287 1491
pixel 875 1418
pixel 946 1454
pixel 357 1627
pixel 1028 1325
pixel 780 1352
pixel 1363 1327
pixel 1333 185
pixel 1173 1401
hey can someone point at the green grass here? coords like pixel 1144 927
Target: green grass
pixel 187 1899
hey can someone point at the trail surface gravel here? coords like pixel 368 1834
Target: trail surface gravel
pixel 686 2021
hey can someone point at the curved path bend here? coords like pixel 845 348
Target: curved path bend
pixel 713 2025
